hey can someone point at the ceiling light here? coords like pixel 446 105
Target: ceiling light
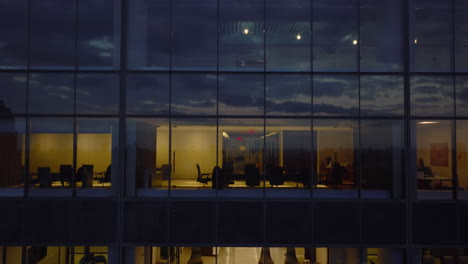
pixel 428 122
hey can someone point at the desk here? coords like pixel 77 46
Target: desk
pixel 426 182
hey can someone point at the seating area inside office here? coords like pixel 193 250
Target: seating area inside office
pixel 230 154
pixel 52 148
pixel 55 254
pixel 270 255
pixel 438 159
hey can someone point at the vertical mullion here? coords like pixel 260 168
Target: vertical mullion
pixel 28 120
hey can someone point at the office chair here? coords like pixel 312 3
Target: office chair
pixel 45 177
pixel 66 172
pixel 276 176
pixel 252 175
pixel 85 175
pixel 107 175
pixel 203 177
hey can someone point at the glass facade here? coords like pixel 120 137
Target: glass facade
pixel 216 102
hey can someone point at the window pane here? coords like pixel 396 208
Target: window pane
pixel 148 161
pixel 52 34
pixel 335 95
pixel 97 153
pixel 288 95
pixel 434 158
pixel 51 153
pixel 335 35
pixel 288 155
pixel 335 150
pixel 98 34
pixel 12 152
pixel 193 143
pixel 51 93
pixel 432 96
pixel 461 35
pixel 288 35
pixel 462 149
pixel 241 154
pixel 193 94
pixel 241 36
pixel 461 97
pixel 97 94
pixel 382 158
pixel 148 34
pixel 14 37
pixel 381 35
pixel 241 94
pixel 194 36
pixel 431 35
pixel 12 93
pixel 382 95
pixel 147 94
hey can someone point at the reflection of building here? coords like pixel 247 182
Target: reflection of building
pixel 116 116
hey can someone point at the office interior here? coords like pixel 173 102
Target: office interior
pixel 55 254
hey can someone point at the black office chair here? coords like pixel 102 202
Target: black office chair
pixel 85 175
pixel 107 175
pixel 44 176
pixel 276 176
pixel 203 177
pixel 252 175
pixel 66 172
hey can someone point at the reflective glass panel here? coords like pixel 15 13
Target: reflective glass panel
pixel 50 153
pixel 381 95
pixel 147 94
pixel 52 34
pixel 98 34
pixel 193 94
pixel 335 95
pixel 241 152
pixel 432 96
pixel 461 96
pixel 335 35
pixel 194 34
pixel 12 93
pixel 14 37
pixel 193 156
pixel 241 35
pixel 288 35
pixel 148 161
pixel 433 158
pixel 97 93
pixel 97 152
pixel 148 34
pixel 288 95
pixel 335 148
pixel 381 46
pixel 241 94
pixel 431 35
pixel 51 93
pixel 382 158
pixel 461 35
pixel 288 155
pixel 12 152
